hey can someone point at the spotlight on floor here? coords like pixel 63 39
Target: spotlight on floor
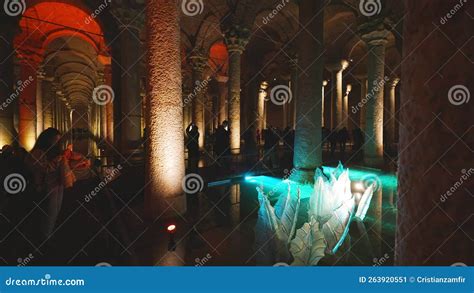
pixel 171 229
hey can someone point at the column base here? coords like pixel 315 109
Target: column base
pixel 304 176
pixel 235 151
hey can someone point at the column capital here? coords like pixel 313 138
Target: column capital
pixel 337 66
pixel 293 61
pixel 41 72
pixel 348 88
pixel 361 77
pixel 198 60
pixel 100 77
pixel 393 81
pixel 129 17
pixel 375 32
pixel 236 37
pixel 222 78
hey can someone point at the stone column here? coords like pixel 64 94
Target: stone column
pixel 391 119
pixel 323 123
pixel 26 88
pixel 7 95
pixel 164 168
pixel 308 139
pixel 375 35
pixel 223 92
pixel 285 111
pixel 208 116
pixel 262 94
pixel 198 93
pixel 101 80
pixel 215 112
pixel 236 38
pixel 336 70
pixel 130 100
pixel 345 106
pixel 109 107
pixel 361 106
pixel 435 174
pixel 40 76
pixel 294 87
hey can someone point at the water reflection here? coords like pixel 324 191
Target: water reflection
pixel 231 207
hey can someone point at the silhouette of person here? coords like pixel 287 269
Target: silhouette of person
pixel 192 143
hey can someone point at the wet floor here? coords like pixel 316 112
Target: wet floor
pixel 225 216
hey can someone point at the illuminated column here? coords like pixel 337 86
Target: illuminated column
pixel 101 80
pixel 165 158
pixel 325 83
pixel 208 116
pixel 27 104
pixel 187 111
pixel 308 151
pixel 48 102
pixel 7 95
pixel 390 120
pixel 40 75
pixel 265 109
pixel 285 113
pixel 435 174
pixel 223 92
pixel 109 107
pixel 376 39
pixel 337 94
pixel 130 100
pixel 236 38
pixel 262 94
pixel 198 93
pixel 361 107
pixel 294 87
pixel 345 106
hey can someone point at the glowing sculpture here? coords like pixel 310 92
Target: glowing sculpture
pixel 331 209
pixel 276 222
